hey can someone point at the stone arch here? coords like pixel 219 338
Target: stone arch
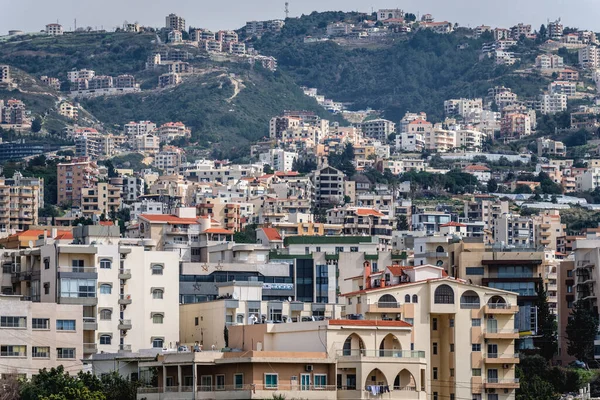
pixel 439 249
pixel 376 378
pixel 353 345
pixel 470 299
pixel 405 381
pixel 390 346
pixel 497 300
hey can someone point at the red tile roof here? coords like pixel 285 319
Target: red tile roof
pixel 452 223
pixel 271 234
pixel 219 231
pixel 476 168
pixel 368 211
pixel 397 271
pixel 169 219
pixel 368 322
pixel 106 223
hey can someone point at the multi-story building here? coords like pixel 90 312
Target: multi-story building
pixel 549 61
pixel 103 199
pixel 358 221
pixel 440 140
pixel 519 30
pixel 173 130
pixel 146 143
pixel 589 57
pixel 35 336
pixel 54 83
pixel 515 125
pixel 169 79
pixel 470 140
pixel 552 103
pixel 588 180
pixel 54 29
pixel 139 128
pixel 379 129
pixel 389 13
pixel 563 87
pixel 75 75
pixel 429 221
pixel 339 29
pixel 329 186
pixel 555 30
pixel 279 159
pixel 20 199
pixel 132 188
pixel 173 22
pixel 169 159
pixel 412 142
pixel 462 107
pixel 567 295
pixel 547 146
pixel 128 295
pixel 259 27
pixel 68 110
pixel 513 229
pixel 72 178
pixel 547 229
pixel 175 36
pixel 227 36
pixel 13 112
pixel 94 146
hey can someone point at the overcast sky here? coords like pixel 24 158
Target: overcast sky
pixel 33 15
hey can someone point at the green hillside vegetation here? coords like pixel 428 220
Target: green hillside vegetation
pixel 416 74
pixel 203 103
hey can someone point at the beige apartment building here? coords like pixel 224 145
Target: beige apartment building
pixel 20 199
pixel 127 292
pixel 39 335
pixel 104 198
pixel 548 228
pixel 72 178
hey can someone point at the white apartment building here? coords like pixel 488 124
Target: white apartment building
pixel 378 129
pixel 513 229
pixel 505 99
pixel 563 87
pixel 54 29
pixel 133 187
pixel 207 171
pixel 172 130
pixel 409 141
pixel 552 103
pixel 139 128
pixel 410 117
pixel 147 207
pixel 94 146
pixel 398 167
pixel 462 107
pixel 175 37
pixel 128 292
pixel 279 159
pixel 552 147
pixel 37 335
pixel 470 140
pixel 173 22
pixel 549 61
pixel 169 160
pixel 84 74
pixel 440 140
pixel 589 57
pixel 588 180
pixel 145 143
pixel 389 13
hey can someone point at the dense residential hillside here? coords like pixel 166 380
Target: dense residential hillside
pixel 416 72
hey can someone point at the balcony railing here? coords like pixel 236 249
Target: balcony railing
pixel 470 305
pixel 125 347
pixel 507 355
pixel 70 268
pixel 244 387
pixel 499 306
pixel 502 381
pixel 501 331
pixel 388 304
pixel 381 353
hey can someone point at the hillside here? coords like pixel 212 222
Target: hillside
pixel 415 73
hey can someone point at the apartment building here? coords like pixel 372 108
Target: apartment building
pixel 440 140
pixel 132 188
pixel 173 22
pixel 103 199
pixel 68 110
pixel 588 180
pixel 126 293
pixel 94 146
pixel 563 87
pixel 145 143
pixel 75 75
pixel 172 130
pixel 429 221
pixel 547 146
pixel 379 129
pixel 54 29
pixel 169 159
pixel 413 142
pixel 515 125
pixel 175 36
pixel 549 61
pixel 552 103
pixel 470 140
pixel 548 228
pixel 259 27
pixel 462 107
pixel 589 57
pixel 139 128
pixel 72 178
pixel 35 336
pixel 279 159
pixel 329 186
pixel 13 112
pixel 169 79
pixel 363 221
pixel 513 229
pixel 555 30
pixel 567 294
pixel 20 199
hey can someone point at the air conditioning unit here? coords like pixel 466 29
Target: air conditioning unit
pixel 490 390
pixel 505 366
pixel 309 368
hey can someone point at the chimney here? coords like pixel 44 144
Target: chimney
pixel 54 233
pixel 367 274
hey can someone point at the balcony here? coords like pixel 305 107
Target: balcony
pixel 495 358
pixel 244 391
pixel 500 308
pixel 545 234
pixel 495 383
pixel 125 299
pixel 501 334
pixel 90 348
pixel 76 270
pixel 432 254
pixel 125 274
pixel 125 347
pixel 90 324
pixel 404 354
pixel 391 307
pixel 124 324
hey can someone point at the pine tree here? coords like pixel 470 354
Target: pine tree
pixel 546 336
pixel 581 331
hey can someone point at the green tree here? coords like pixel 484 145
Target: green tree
pixel 268 170
pixel 546 337
pixel 57 384
pixel 402 224
pixel 581 330
pixel 542 33
pixel 36 124
pixel 492 186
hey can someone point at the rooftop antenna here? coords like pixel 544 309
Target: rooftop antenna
pixel 287 10
pixel 75 23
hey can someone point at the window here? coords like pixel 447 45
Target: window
pixel 451 322
pixel 46 263
pixel 105 264
pixel 46 287
pixel 415 298
pixel 196 321
pixel 476 322
pixel 158 318
pixel 320 381
pixel 434 348
pixel 476 347
pixel 452 396
pixel 77 266
pixel 451 372
pixel 238 381
pixel 157 294
pixel 476 372
pixel 13 322
pixel 435 373
pixel 434 324
pixel 13 351
pixel 77 287
pixel 443 295
pixel 65 324
pixel 354 249
pixel 105 314
pixel 65 352
pixel 407 298
pixel 105 289
pixel 492 396
pixel 271 381
pixel 451 347
pixel 40 352
pixel 435 395
pixel 157 269
pixel 40 323
pixel 240 319
pixel 105 339
pixel 220 382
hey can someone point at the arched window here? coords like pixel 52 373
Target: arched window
pixel 157 294
pixel 105 314
pixel 439 249
pixel 158 318
pixel 157 269
pixel 105 289
pixel 105 263
pixel 105 339
pixel 443 295
pixel 469 299
pixel 387 300
pixel 157 343
pixel 415 298
pixel 407 298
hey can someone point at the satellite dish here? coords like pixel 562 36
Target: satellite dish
pixel 235 296
pixel 31 244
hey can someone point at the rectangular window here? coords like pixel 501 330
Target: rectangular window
pixel 451 372
pixel 157 269
pixel 13 351
pixel 476 347
pixel 476 322
pixel 451 347
pixel 77 287
pixel 40 352
pixel 13 322
pixel 451 322
pixel 238 381
pixel 65 352
pixel 65 324
pixel 434 324
pixel 40 323
pixel 476 372
pixel 435 395
pixel 434 348
pixel 452 396
pixel 474 271
pixel 320 381
pixel 220 382
pixel 196 321
pixel 435 373
pixel 271 381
